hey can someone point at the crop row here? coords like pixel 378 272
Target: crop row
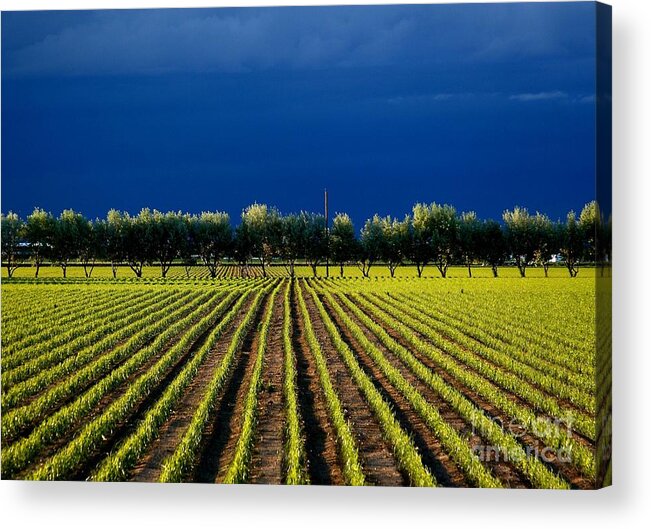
pixel 504 380
pixel 483 328
pixel 92 434
pixel 553 436
pixel 70 377
pixel 507 371
pixel 294 460
pixel 21 319
pixel 536 471
pixel 238 468
pixel 56 323
pixel 67 343
pixel 352 468
pixel 405 451
pixel 179 464
pixel 119 463
pixel 20 454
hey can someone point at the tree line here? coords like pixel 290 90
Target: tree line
pixel 430 234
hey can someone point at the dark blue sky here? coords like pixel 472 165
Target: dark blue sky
pixel 481 106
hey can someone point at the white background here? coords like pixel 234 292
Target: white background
pixel 626 504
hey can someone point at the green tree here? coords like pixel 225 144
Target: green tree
pixel 66 239
pixel 166 232
pixel 263 229
pixel 420 237
pixel 370 244
pixel 137 240
pixel 316 240
pixel 188 249
pixel 590 223
pixel 39 232
pixel 545 241
pixel 469 239
pixel 445 235
pixel 243 246
pixel 91 244
pixel 395 242
pixel 571 243
pixel 116 227
pixel 520 237
pixel 213 236
pixel 13 232
pixel 343 244
pixel 492 246
pixel 292 241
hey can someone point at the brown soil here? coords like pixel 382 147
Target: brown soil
pixel 27 430
pixel 380 467
pixel 562 402
pixel 578 437
pixel 446 472
pixel 323 464
pixel 149 467
pixel 127 426
pixel 267 455
pixel 503 339
pixel 222 433
pixel 528 441
pixel 506 472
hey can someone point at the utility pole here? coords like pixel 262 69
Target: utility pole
pixel 327 232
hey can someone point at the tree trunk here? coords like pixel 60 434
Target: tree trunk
pixel 314 265
pixel 88 269
pixel 420 268
pixel 38 266
pixel 546 268
pixel 137 269
pixel 494 268
pixel 469 271
pixel 10 272
pixel 264 270
pixel 341 269
pixel 114 269
pixel 64 268
pixel 212 268
pixel 392 271
pixel 522 267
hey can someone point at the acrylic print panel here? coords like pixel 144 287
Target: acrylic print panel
pixel 310 245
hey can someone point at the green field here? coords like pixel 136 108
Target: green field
pixel 450 382
pixel 277 270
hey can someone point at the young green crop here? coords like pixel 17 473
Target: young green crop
pixel 554 438
pixel 18 455
pixel 181 462
pixel 118 464
pixel 59 465
pixel 93 353
pixel 237 470
pixel 401 444
pixel 352 467
pixel 294 460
